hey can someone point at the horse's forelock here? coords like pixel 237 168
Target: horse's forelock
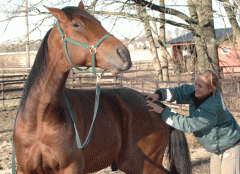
pixel 72 11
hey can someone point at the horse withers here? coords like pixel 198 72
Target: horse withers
pixel 125 132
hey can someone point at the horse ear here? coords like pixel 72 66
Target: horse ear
pixel 81 5
pixel 57 13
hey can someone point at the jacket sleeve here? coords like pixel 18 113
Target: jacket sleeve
pixel 179 94
pixel 198 120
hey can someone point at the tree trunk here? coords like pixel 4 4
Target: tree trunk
pixel 164 56
pixel 27 36
pixel 233 21
pixel 205 39
pixel 141 11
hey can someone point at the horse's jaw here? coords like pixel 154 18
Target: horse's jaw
pixel 116 69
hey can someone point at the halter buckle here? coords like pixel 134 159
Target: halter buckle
pixel 99 76
pixel 93 50
pixel 64 38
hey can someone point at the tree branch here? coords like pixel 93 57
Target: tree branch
pixel 128 15
pixel 166 11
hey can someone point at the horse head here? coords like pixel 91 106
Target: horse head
pixel 80 26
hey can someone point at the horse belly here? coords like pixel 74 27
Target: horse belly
pixel 105 142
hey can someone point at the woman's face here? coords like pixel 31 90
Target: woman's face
pixel 201 88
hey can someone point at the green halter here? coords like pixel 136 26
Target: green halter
pixel 93 49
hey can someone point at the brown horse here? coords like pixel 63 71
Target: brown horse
pixel 125 132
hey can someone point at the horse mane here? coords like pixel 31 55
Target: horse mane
pixel 38 68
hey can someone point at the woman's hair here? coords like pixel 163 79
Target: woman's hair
pixel 212 80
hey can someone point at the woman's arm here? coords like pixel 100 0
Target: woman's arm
pixel 180 94
pixel 198 120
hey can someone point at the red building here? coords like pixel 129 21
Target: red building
pixel 184 52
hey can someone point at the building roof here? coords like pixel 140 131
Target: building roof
pixel 188 38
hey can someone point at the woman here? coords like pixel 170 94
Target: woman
pixel 211 123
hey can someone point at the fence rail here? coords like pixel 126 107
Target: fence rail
pixel 14 83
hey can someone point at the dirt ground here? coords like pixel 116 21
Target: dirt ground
pixel 200 158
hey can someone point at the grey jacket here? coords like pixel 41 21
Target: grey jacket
pixel 211 123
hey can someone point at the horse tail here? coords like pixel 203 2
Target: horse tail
pixel 178 152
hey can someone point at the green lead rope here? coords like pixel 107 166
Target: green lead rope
pixel 79 144
pixel 13 159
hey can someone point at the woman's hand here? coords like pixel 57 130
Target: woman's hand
pixel 153 97
pixel 156 108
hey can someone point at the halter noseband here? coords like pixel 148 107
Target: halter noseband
pixel 92 49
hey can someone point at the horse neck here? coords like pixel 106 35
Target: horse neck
pixel 45 95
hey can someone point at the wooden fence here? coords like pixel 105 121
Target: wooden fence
pixel 13 83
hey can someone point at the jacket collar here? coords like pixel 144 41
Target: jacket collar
pixel 197 101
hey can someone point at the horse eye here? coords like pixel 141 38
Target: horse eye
pixel 77 25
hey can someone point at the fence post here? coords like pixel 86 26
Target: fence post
pixel 80 82
pixel 232 71
pixel 121 82
pixel 238 93
pixel 136 70
pixel 238 90
pixel 72 77
pixel 2 88
pixel 115 80
pixel 24 79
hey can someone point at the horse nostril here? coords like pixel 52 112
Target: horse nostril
pixel 125 57
pixel 122 54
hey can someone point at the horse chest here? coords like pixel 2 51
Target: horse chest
pixel 50 148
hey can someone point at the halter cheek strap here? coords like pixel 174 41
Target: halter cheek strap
pixel 92 49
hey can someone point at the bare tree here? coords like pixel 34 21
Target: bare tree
pixel 14 9
pixel 142 15
pixel 200 23
pixel 231 10
pixel 205 39
pixel 141 11
pixel 164 55
pixel 177 31
pixel 169 35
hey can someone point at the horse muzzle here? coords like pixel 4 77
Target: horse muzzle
pixel 120 60
pixel 124 55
